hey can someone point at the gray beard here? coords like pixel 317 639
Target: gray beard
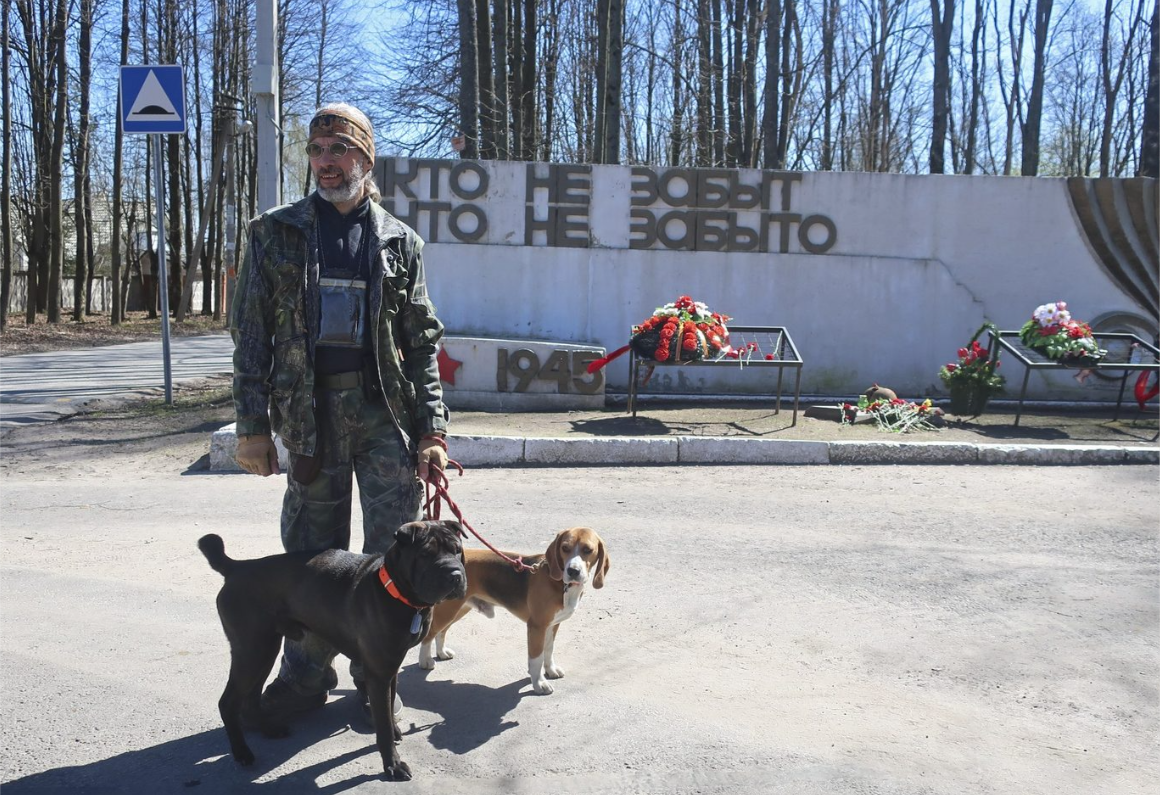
pixel 350 189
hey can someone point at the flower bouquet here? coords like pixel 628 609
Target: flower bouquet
pixel 973 378
pixel 895 414
pixel 682 331
pixel 1053 332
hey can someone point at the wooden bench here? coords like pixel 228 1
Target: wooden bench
pixel 773 340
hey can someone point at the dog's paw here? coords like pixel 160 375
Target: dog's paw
pixel 244 757
pixel 542 688
pixel 445 654
pixel 553 672
pixel 426 662
pixel 399 771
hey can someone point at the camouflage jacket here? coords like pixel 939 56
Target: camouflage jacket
pixel 275 317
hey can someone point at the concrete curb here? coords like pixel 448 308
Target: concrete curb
pixel 490 451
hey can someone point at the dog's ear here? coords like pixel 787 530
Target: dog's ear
pixel 555 559
pixel 406 533
pixel 603 561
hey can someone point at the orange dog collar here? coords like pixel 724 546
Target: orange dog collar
pixel 393 590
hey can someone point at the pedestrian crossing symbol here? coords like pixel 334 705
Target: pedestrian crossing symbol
pixel 152 99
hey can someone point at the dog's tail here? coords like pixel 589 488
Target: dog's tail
pixel 214 550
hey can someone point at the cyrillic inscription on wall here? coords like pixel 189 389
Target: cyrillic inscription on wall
pixel 701 209
pixel 551 204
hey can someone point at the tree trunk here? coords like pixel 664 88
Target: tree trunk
pixel 789 81
pixel 79 238
pixel 677 133
pixel 1150 132
pixel 733 78
pixel 970 155
pixel 551 60
pixel 84 254
pixel 528 82
pixel 56 164
pixel 704 86
pixel 502 100
pixel 487 108
pixel 749 85
pixel 829 24
pixel 769 124
pixel 718 87
pixel 602 29
pixel 1030 166
pixel 5 172
pixel 515 69
pixel 118 313
pixel 612 84
pixel 468 81
pixel 941 28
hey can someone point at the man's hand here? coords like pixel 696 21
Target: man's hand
pixel 432 453
pixel 257 455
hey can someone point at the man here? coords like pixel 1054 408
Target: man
pixel 335 351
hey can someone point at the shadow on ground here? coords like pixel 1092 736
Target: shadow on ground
pixel 470 715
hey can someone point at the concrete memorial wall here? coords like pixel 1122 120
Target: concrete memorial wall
pixel 877 277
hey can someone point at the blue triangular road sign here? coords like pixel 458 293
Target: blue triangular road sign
pixel 152 99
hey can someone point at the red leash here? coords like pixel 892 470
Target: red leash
pixel 436 485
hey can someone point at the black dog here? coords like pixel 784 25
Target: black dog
pixel 371 608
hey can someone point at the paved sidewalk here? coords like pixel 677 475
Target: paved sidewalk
pixel 724 432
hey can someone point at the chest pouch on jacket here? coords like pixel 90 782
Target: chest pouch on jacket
pixel 343 320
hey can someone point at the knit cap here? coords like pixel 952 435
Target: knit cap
pixel 346 123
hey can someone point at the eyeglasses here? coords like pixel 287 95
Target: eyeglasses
pixel 337 150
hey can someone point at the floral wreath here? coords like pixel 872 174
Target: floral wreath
pixel 682 331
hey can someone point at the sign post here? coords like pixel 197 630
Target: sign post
pixel 153 103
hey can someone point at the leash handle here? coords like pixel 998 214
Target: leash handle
pixel 436 494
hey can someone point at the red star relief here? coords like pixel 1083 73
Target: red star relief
pixel 447 366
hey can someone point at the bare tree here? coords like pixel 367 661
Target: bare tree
pixel 502 80
pixel 704 85
pixel 1031 124
pixel 6 170
pixel 941 26
pixel 1112 75
pixel 468 80
pixel 118 311
pixel 487 107
pixel 528 83
pixel 551 63
pixel 610 64
pixel 59 45
pixel 1150 127
pixel 677 133
pixel 978 31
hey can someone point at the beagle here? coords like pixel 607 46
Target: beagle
pixel 541 598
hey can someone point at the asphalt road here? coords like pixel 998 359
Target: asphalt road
pixel 904 630
pixel 36 387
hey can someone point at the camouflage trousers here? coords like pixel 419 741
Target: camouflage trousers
pixel 356 437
